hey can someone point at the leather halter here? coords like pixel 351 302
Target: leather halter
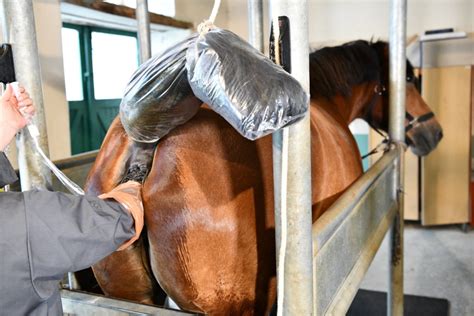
pixel 414 121
pixel 380 90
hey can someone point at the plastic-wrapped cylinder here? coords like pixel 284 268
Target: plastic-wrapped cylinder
pixel 158 97
pixel 256 96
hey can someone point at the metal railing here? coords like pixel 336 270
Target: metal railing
pixel 346 238
pixel 80 303
pixel 348 235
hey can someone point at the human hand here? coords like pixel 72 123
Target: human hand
pixel 129 195
pixel 11 119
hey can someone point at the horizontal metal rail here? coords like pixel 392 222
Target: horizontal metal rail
pixel 75 168
pixel 77 160
pixel 84 304
pixel 348 235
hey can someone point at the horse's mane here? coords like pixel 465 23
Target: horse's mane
pixel 335 70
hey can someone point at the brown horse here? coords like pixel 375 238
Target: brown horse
pixel 208 196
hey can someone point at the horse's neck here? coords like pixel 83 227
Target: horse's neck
pixel 347 109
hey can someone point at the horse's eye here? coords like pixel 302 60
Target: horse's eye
pixel 409 79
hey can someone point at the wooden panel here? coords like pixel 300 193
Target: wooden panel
pixel 411 211
pixel 412 188
pixel 129 12
pixel 446 171
pixel 472 204
pixel 471 201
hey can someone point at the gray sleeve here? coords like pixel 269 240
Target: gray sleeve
pixel 68 233
pixel 7 174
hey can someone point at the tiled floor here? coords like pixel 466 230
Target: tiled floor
pixel 439 262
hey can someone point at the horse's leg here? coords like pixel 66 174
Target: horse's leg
pixel 124 274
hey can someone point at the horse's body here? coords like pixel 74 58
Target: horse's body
pixel 209 203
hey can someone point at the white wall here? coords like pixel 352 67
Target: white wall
pixel 48 29
pixel 196 11
pixel 345 20
pixel 338 21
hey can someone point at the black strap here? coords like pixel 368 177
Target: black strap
pixel 413 121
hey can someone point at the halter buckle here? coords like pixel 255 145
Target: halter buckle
pixel 379 89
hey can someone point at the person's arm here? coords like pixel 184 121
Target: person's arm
pixel 68 233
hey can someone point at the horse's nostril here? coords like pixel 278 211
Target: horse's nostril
pixel 439 135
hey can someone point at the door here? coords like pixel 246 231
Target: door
pixel 98 64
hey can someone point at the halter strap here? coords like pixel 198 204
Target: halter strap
pixel 379 91
pixel 413 121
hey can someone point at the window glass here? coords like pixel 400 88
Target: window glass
pixel 72 64
pixel 114 59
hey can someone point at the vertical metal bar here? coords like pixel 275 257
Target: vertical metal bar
pixel 22 34
pixel 292 174
pixel 144 37
pixel 398 13
pixel 255 13
pixel 3 17
pixel 397 69
pixel 2 90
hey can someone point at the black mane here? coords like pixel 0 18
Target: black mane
pixel 335 70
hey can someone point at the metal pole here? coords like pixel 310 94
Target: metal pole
pixel 292 178
pixel 144 38
pixel 255 12
pixel 22 34
pixel 398 13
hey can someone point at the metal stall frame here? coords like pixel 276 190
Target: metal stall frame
pixel 292 176
pixel 144 33
pixel 346 238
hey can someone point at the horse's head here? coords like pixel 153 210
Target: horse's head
pixel 423 132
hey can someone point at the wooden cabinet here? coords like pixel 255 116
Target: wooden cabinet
pixel 446 171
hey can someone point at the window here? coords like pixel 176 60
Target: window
pixel 72 65
pixel 114 59
pixel 164 7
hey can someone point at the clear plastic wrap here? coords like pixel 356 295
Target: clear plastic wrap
pixel 256 96
pixel 158 97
